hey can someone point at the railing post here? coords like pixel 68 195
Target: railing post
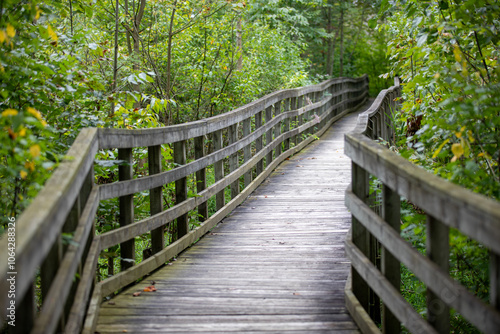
pixel 495 280
pixel 438 251
pixel 258 143
pixel 293 106
pixel 286 108
pixel 247 154
pixel 233 159
pixel 269 134
pixel 300 101
pixel 25 312
pixel 391 268
pixel 181 188
pixel 277 128
pixel 218 170
pixel 156 198
pixel 360 236
pixel 201 176
pixel 125 172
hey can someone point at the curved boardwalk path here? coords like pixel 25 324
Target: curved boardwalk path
pixel 275 265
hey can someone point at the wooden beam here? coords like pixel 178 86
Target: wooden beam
pixel 125 172
pixel 181 188
pixel 218 169
pixel 201 178
pixel 156 198
pixel 233 159
pixel 438 251
pixel 391 268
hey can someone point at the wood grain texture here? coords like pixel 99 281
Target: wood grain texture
pixel 276 264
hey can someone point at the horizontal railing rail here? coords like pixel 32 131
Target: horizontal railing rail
pixel 246 145
pixel 446 205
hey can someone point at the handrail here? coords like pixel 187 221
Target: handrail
pixel 264 133
pixel 445 204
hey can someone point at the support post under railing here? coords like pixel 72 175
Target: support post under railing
pixel 201 177
pixel 233 159
pixel 156 198
pixel 269 134
pixel 218 170
pixel 391 267
pixel 286 107
pixel 495 280
pixel 125 172
pixel 438 251
pixel 247 154
pixel 258 143
pixel 277 128
pixel 181 187
pixel 360 236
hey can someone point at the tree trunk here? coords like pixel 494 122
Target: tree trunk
pixel 115 60
pixel 168 111
pixel 341 71
pixel 137 44
pixel 239 45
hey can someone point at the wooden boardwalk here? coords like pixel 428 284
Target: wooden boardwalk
pixel 275 265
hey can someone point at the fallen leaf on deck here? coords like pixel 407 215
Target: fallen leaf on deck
pixel 111 303
pixel 296 294
pixel 299 166
pixel 150 288
pixel 136 294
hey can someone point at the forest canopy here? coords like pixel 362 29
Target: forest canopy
pixel 69 64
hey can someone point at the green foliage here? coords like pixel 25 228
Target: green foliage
pixel 447 56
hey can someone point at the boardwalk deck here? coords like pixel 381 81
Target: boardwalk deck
pixel 276 264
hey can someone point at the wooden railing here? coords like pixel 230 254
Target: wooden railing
pixel 375 276
pixel 61 277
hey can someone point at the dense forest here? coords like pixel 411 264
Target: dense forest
pixel 66 65
pixel 70 64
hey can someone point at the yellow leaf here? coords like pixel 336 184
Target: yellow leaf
pixel 471 137
pixel 440 148
pixel 458 134
pixel 457 53
pixel 3 36
pixel 23 174
pixel 457 150
pixel 52 34
pixel 436 76
pixel 22 132
pixel 9 112
pixel 30 165
pixel 38 12
pixel 35 113
pixel 11 31
pixel 480 154
pixel 35 150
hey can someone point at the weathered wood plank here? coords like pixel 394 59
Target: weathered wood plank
pixel 181 188
pixel 125 172
pixel 124 138
pixel 156 198
pixel 231 271
pixel 451 204
pixel 43 219
pixel 483 316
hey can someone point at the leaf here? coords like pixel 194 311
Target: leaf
pixel 52 34
pixel 137 294
pixel 372 23
pixel 457 151
pixel 11 32
pixel 23 174
pixel 150 288
pixel 35 150
pixel 9 112
pixel 422 39
pixel 440 148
